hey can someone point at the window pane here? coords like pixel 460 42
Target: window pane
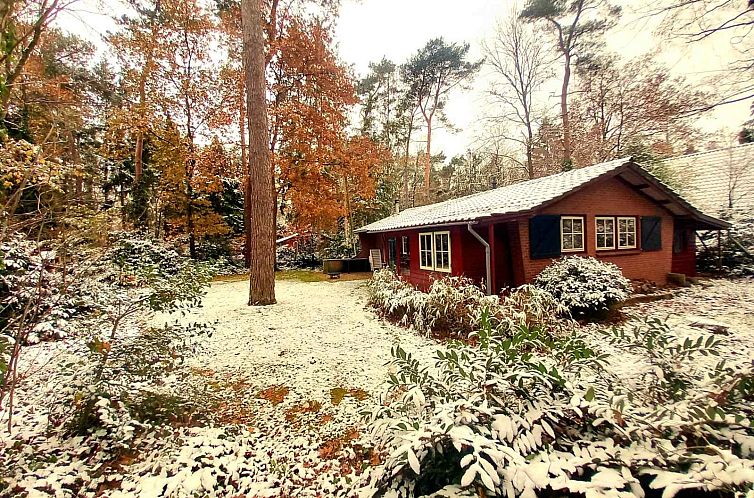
pixel 577 226
pixel 567 242
pixel 567 225
pixel 578 241
pixel 441 242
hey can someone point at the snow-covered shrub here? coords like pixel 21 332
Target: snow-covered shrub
pixel 125 369
pixel 585 286
pixel 129 384
pixel 452 307
pixel 522 413
pixel 531 307
pixel 737 247
pixel 305 256
pixel 37 298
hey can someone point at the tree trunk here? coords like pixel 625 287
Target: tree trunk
pixel 428 164
pixel 138 155
pixel 260 180
pixel 405 161
pixel 566 164
pixel 190 221
pixel 245 173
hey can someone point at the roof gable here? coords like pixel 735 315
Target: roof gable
pixel 530 195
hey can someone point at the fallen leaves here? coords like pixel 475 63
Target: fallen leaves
pixel 338 393
pixel 274 394
pixel 310 406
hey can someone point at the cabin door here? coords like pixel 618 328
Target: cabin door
pixel 392 253
pixel 503 260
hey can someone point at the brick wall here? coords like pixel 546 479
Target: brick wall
pixel 610 197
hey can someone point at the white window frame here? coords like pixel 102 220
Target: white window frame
pixel 423 249
pixel 618 232
pixel 597 233
pixel 433 252
pixel 583 236
pixel 405 245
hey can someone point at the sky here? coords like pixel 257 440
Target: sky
pixel 368 30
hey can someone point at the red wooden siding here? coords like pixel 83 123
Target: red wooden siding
pixel 512 264
pixel 684 250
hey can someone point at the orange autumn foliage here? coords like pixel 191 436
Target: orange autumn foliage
pixel 321 171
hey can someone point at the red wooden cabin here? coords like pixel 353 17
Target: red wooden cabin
pixel 615 211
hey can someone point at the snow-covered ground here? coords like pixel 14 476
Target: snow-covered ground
pixel 316 338
pixel 293 378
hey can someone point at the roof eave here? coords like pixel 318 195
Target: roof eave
pixel 705 221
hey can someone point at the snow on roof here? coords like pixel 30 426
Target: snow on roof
pixel 516 198
pixel 717 180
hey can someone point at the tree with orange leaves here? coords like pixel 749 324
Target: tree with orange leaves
pixel 320 170
pixel 173 77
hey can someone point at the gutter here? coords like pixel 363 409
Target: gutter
pixel 487 256
pixel 412 227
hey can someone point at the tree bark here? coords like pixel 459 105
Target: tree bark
pixel 245 173
pixel 564 113
pixel 428 164
pixel 260 180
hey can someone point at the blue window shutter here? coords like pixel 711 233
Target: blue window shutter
pixel 544 236
pixel 651 233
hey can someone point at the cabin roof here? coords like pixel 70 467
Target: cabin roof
pixel 717 181
pixel 525 197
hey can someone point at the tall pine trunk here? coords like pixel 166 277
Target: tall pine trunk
pixel 260 182
pixel 428 164
pixel 564 115
pixel 245 172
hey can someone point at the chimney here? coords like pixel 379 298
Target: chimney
pixel 396 207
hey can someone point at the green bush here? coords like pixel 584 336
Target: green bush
pixel 525 412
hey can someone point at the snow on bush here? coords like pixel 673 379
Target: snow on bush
pixel 737 246
pixel 584 285
pixel 128 383
pixel 452 306
pixel 526 413
pixel 37 300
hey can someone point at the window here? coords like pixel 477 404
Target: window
pixel 626 232
pixel 425 252
pixel 442 251
pixel 572 233
pixel 434 251
pixel 391 252
pixel 404 245
pixel 604 228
